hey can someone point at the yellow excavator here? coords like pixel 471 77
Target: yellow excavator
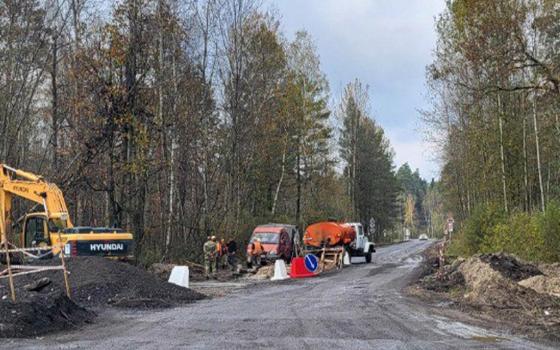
pixel 51 226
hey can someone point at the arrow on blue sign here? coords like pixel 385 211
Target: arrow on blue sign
pixel 311 262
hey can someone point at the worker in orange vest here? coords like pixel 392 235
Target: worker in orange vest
pixel 222 250
pixel 218 251
pixel 254 251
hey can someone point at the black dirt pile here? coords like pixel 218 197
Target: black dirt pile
pixel 39 314
pixel 430 261
pixel 434 278
pixel 510 266
pixel 446 281
pixel 97 281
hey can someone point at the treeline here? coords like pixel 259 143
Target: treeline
pixel 180 119
pixel 495 87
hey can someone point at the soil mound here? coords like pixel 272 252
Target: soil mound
pixel 543 284
pixel 40 314
pixel 488 286
pixel 510 266
pixel 97 281
pixel 436 279
pixel 445 282
pixel 498 287
pixel 263 272
pixel 552 270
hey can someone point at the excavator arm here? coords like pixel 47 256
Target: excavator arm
pixel 14 182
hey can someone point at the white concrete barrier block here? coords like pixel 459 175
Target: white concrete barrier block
pixel 346 259
pixel 180 276
pixel 280 271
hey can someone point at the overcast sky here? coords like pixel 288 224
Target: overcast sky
pixel 387 45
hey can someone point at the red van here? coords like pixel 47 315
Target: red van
pixel 277 241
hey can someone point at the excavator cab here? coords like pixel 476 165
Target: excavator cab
pixel 35 233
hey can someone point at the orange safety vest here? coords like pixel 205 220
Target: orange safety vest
pixel 258 248
pixel 219 248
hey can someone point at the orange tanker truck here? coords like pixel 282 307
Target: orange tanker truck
pixel 335 234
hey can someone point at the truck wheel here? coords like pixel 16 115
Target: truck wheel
pixel 368 257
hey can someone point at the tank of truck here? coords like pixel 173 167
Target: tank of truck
pixel 328 233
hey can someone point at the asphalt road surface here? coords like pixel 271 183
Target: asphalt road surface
pixel 361 307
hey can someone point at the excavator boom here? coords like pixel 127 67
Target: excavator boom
pixel 19 183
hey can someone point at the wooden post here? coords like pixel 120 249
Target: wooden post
pixel 66 282
pixel 10 276
pixel 322 262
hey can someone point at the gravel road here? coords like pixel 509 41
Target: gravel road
pixel 359 308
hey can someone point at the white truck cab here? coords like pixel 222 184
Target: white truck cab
pixel 361 245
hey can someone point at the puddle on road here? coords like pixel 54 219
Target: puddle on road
pixel 411 262
pixel 487 339
pixel 467 332
pixel 444 304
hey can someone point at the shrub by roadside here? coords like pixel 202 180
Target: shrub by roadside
pixel 532 237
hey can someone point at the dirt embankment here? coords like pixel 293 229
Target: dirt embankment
pixel 523 296
pixel 94 282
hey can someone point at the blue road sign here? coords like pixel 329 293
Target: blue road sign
pixel 311 263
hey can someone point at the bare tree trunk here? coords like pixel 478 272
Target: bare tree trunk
pixel 283 171
pixel 54 91
pixel 299 151
pixel 298 181
pixel 171 157
pixel 355 126
pixel 502 157
pixel 537 146
pixel 525 172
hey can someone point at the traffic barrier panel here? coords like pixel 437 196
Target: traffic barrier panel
pixel 180 276
pixel 346 260
pixel 280 271
pixel 298 269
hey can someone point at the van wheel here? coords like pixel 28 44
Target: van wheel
pixel 368 257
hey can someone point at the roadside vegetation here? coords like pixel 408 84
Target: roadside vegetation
pixel 532 237
pixel 495 92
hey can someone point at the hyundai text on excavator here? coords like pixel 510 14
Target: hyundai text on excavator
pixel 52 226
